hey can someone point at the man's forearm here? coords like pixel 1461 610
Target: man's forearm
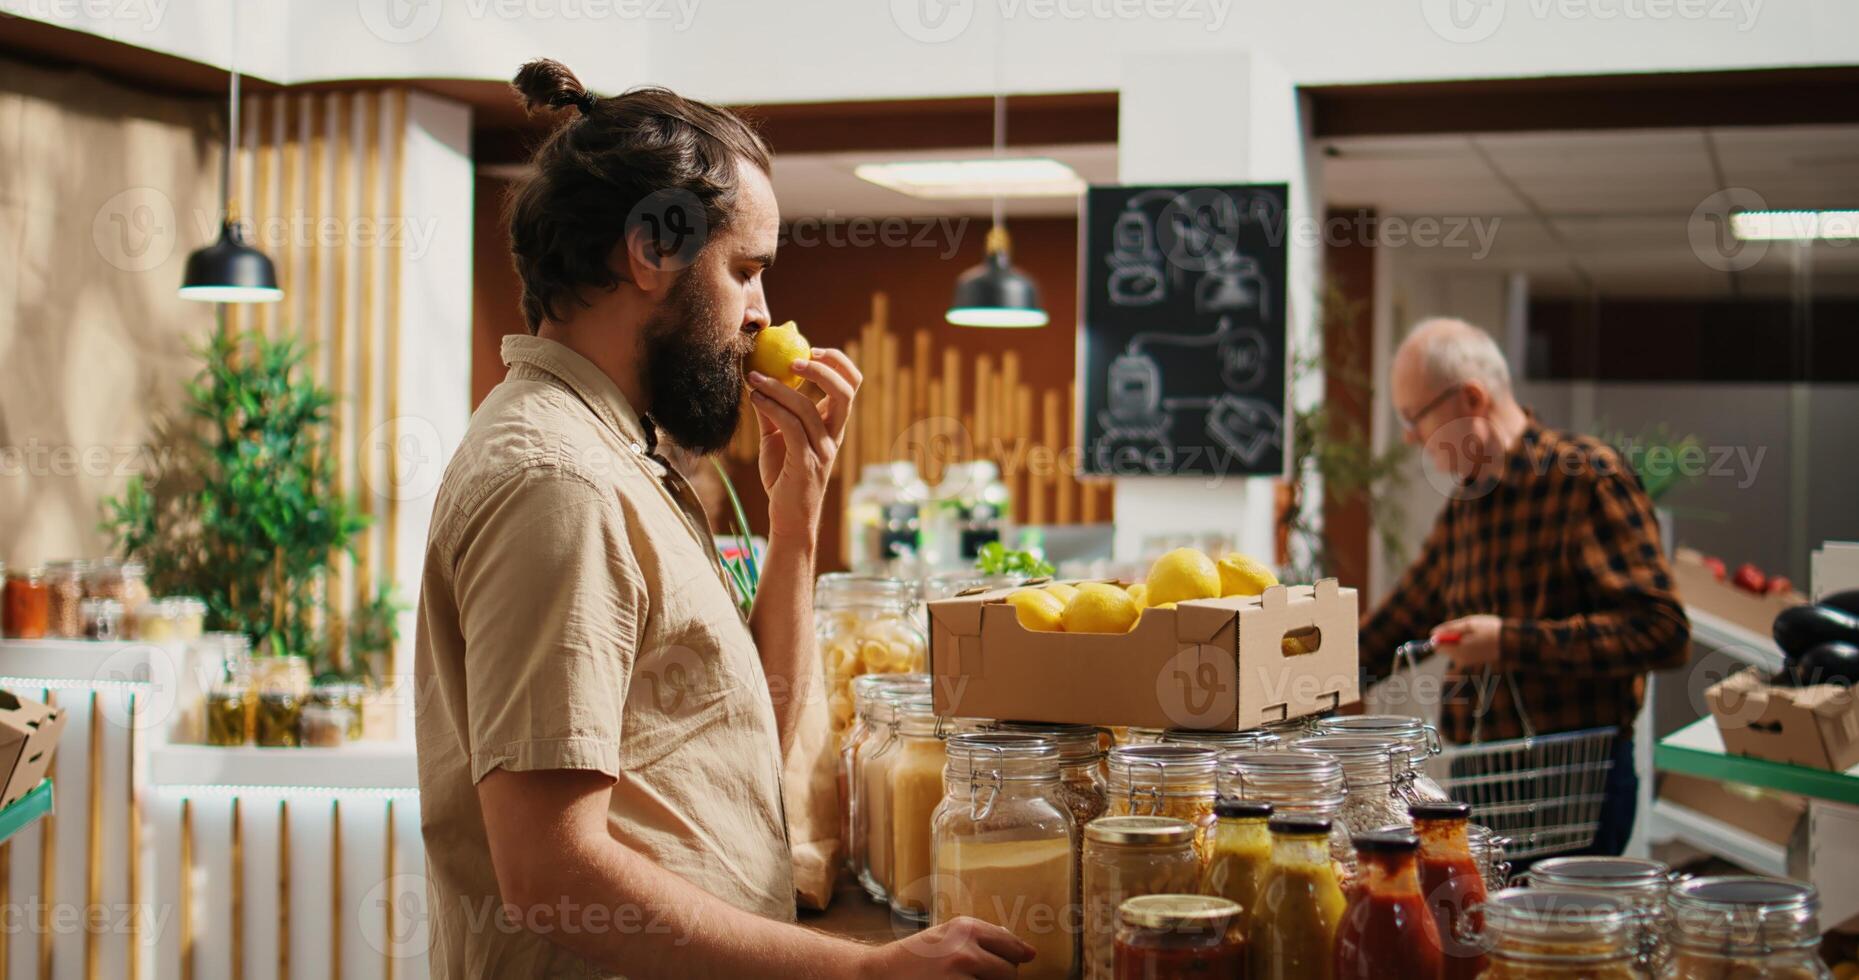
pixel 782 622
pixel 615 907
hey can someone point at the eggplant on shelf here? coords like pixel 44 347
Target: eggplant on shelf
pixel 1833 662
pixel 1799 629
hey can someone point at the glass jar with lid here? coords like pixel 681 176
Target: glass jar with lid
pixel 324 720
pixel 231 702
pixel 1179 937
pixel 1419 738
pixel 172 619
pixel 1081 781
pixel 1003 844
pixel 868 733
pixel 1488 851
pixel 282 684
pixel 1295 783
pixel 124 581
pixel 877 753
pixel 1125 857
pixel 64 584
pixel 967 509
pixel 1745 926
pixel 864 625
pixel 1253 739
pixel 1372 768
pixel 102 618
pixel 915 777
pixel 1164 781
pixel 1641 884
pixel 1549 934
pixel 885 512
pixel 28 604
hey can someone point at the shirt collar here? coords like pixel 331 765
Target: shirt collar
pixel 1526 457
pixel 588 382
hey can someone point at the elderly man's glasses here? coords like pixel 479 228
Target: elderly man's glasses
pixel 1411 423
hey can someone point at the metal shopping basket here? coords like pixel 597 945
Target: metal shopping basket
pixel 1542 793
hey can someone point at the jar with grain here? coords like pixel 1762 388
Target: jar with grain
pixel 1642 884
pixel 1126 857
pixel 1165 781
pixel 1420 739
pixel 64 583
pixel 1548 934
pixel 1372 768
pixel 1744 927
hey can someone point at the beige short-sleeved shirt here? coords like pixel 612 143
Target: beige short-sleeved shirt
pixel 573 616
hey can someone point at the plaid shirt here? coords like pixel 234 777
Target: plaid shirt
pixel 1564 548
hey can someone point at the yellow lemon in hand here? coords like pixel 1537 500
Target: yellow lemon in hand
pixel 1037 610
pixel 1244 575
pixel 1183 574
pixel 776 350
pixel 1100 608
pixel 1140 593
pixel 1065 592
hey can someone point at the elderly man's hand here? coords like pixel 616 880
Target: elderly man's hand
pixel 1470 642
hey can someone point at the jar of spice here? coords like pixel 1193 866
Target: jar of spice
pixel 1421 740
pixel 916 790
pixel 28 604
pixel 1745 926
pixel 1179 937
pixel 1003 845
pixel 1125 857
pixel 64 581
pixel 102 618
pixel 1296 783
pixel 1372 768
pixel 1641 884
pixel 864 625
pixel 283 686
pixel 1548 934
pixel 124 581
pixel 1164 781
pixel 867 735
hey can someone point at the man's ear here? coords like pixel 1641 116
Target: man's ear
pixel 644 267
pixel 1477 399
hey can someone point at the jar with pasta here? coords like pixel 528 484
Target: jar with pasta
pixel 1743 927
pixel 915 776
pixel 1372 768
pixel 1548 934
pixel 864 625
pixel 64 584
pixel 1641 883
pixel 1420 739
pixel 1307 784
pixel 1165 781
pixel 1003 845
pixel 1127 857
pixel 866 736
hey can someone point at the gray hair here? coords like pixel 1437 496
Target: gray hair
pixel 1453 351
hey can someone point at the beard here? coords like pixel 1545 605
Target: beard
pixel 694 370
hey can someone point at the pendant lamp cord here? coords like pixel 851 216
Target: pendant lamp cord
pixel 232 111
pixel 1000 114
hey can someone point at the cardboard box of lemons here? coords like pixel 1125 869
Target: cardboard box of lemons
pixel 1100 608
pixel 1183 574
pixel 776 350
pixel 1037 610
pixel 1244 575
pixel 1065 591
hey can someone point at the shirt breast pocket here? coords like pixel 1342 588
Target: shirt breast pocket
pixel 678 691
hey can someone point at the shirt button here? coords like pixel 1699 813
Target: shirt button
pixel 638 449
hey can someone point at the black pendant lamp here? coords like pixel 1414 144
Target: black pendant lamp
pixel 994 293
pixel 229 270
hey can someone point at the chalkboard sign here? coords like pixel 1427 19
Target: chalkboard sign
pixel 1183 349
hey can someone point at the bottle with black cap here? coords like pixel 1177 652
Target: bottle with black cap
pixel 1292 935
pixel 1387 929
pixel 1241 852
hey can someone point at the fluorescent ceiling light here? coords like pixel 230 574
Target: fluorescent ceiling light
pixel 988 177
pixel 1795 226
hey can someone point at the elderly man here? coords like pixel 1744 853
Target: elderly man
pixel 1544 565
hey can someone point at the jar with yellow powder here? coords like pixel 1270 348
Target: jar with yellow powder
pixel 867 735
pixel 915 778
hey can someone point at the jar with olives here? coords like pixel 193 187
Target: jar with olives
pixel 283 686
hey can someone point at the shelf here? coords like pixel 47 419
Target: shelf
pixel 1697 750
pixel 77 663
pixel 1713 836
pixel 30 807
pixel 378 766
pixel 1717 633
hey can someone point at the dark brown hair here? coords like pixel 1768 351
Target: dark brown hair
pixel 590 178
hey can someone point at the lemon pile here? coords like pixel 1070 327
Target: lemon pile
pixel 1099 607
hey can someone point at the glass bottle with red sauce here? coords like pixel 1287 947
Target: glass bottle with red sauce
pixel 1387 930
pixel 1453 886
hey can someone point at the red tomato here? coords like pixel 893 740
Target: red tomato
pixel 1750 577
pixel 1779 585
pixel 1717 568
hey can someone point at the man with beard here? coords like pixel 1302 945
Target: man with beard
pixel 600 729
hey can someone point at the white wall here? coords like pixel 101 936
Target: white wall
pixel 821 50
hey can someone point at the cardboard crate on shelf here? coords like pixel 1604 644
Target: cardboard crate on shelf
pixel 28 735
pixel 1698 587
pixel 1816 726
pixel 1210 664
